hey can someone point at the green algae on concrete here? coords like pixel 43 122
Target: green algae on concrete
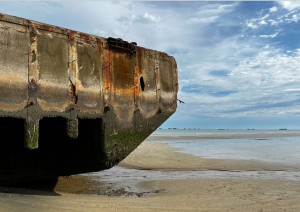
pixel 31 135
pixel 119 145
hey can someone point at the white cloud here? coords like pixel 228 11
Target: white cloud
pixel 290 5
pixel 151 18
pixel 251 25
pixel 296 17
pixel 255 23
pixel 275 22
pixel 268 76
pixel 273 9
pixel 203 20
pixel 266 79
pixel 270 20
pixel 269 36
pixel 209 13
pixel 262 22
pixel 144 18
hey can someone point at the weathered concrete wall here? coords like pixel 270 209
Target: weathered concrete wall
pixel 51 72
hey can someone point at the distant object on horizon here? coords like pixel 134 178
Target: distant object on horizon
pixel 283 129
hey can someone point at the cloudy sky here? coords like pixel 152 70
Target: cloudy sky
pixel 239 62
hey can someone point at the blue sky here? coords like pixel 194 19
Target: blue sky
pixel 239 62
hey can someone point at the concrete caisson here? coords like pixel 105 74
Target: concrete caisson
pixel 71 102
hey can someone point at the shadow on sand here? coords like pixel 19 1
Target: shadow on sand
pixel 39 187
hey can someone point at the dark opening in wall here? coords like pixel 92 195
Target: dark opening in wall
pixel 14 158
pixel 68 156
pixel 11 134
pixel 57 155
pixel 142 83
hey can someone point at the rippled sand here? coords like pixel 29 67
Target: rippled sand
pixel 157 178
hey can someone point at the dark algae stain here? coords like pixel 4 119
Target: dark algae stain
pixel 119 145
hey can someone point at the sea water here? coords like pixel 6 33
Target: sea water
pixel 259 145
pixel 271 146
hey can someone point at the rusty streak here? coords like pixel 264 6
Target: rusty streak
pixel 84 102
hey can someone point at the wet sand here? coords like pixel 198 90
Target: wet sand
pixel 256 135
pixel 157 156
pixel 179 195
pixel 114 192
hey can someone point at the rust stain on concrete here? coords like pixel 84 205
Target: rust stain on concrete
pixel 110 93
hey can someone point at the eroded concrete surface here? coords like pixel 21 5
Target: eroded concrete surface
pixel 72 102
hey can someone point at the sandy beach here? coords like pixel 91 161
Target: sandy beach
pixel 186 190
pixel 178 195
